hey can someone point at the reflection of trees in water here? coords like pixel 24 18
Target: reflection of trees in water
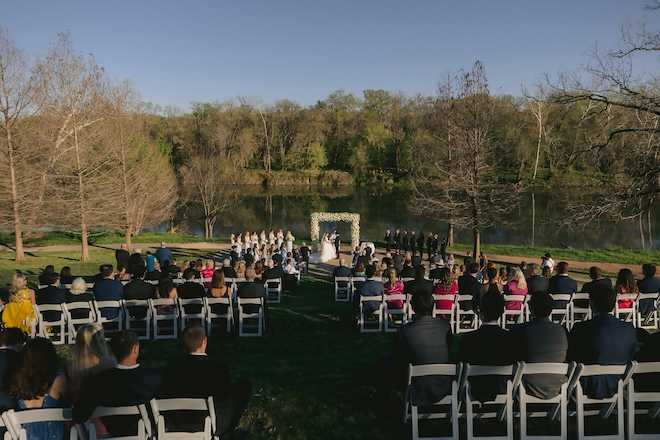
pixel 541 223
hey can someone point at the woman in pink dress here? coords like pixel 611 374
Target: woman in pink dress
pixel 516 285
pixel 393 287
pixel 625 284
pixel 447 286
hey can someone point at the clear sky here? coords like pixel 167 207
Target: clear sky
pixel 181 51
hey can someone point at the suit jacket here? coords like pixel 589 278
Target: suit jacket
pixel 274 273
pixel 413 286
pixel 164 254
pixel 537 283
pixel 369 288
pixel 108 290
pixel 469 285
pixel 191 289
pixel 51 295
pixel 435 274
pixel 648 285
pixel 230 272
pixel 117 387
pixel 407 272
pixel 603 340
pixel 122 257
pixel 138 289
pixel 562 284
pixel 541 340
pixel 9 362
pixel 416 260
pixel 489 345
pixel 341 271
pixel 398 261
pixel 589 288
pixel 253 290
pixel 426 340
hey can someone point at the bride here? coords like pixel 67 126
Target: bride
pixel 327 251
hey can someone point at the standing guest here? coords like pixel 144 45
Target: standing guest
pixel 562 283
pixel 515 285
pixel 210 378
pixel 305 252
pixel 393 287
pixel 164 255
pixel 434 246
pixel 404 241
pixel 122 256
pixel 108 289
pixel 66 277
pixel 547 261
pixel 602 340
pixel 420 243
pixel 541 340
pixel 648 284
pixel 128 383
pixel 19 312
pixel 51 294
pixel 429 245
pixel 447 287
pixel 11 340
pixel 388 241
pixel 37 384
pixel 412 242
pixel 397 239
pixel 443 252
pixel 135 260
pixel 289 241
pixel 626 284
pixel 337 244
pixel 535 282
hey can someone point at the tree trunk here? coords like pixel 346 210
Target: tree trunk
pixel 18 233
pixel 450 234
pixel 476 243
pixel 85 245
pixel 128 239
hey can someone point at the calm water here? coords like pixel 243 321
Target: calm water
pixel 538 222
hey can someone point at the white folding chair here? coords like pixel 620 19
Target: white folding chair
pixel 15 420
pixel 78 308
pixel 447 312
pixel 501 407
pixel 110 324
pixel 274 290
pixel 137 412
pixel 371 322
pixel 343 288
pixel 393 317
pixel 627 313
pixel 48 326
pixel 214 311
pixel 560 314
pixel 467 317
pixel 355 282
pixel 160 408
pixel 642 403
pixel 137 317
pixel 647 320
pixel 250 323
pixel 407 279
pixel 558 405
pixel 446 408
pixel 580 309
pixel 586 406
pixel 512 317
pixel 164 318
pixel 191 310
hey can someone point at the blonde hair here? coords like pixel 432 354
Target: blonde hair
pixel 90 341
pixel 18 282
pixel 518 276
pixel 78 286
pixel 210 264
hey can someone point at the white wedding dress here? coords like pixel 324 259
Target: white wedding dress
pixel 327 253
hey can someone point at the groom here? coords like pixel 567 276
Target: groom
pixel 337 243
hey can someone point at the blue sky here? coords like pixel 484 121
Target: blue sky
pixel 181 51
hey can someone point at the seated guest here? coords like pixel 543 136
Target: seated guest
pixel 492 284
pixel 341 270
pixel 155 274
pixel 275 271
pixel 166 290
pixel 648 284
pixel 541 340
pixel 127 383
pixel 603 340
pixel 469 285
pixel 251 289
pixel 134 261
pixel 360 270
pixel 398 260
pixel 78 293
pixel 138 288
pixel 290 267
pixel 447 287
pixel 436 270
pixel 37 384
pixel 240 269
pixel 208 378
pixel 218 287
pixel 258 272
pixel 371 287
pixel 207 273
pixel 419 283
pixel 51 294
pixel 65 275
pixel 191 269
pixel 562 283
pixel 173 268
pixel 393 287
pixel 650 352
pixel 45 275
pixel 625 285
pixel 489 345
pixel 596 275
pixel 407 271
pixel 11 340
pixel 108 289
pixel 19 311
pixel 387 260
pixel 191 288
pixel 516 285
pixel 150 261
pixel 228 269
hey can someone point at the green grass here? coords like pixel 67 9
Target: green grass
pixel 55 238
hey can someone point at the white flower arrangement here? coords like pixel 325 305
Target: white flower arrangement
pixel 318 217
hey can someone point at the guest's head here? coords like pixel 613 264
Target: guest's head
pixel 492 306
pixel 562 267
pixel 491 272
pixel 65 272
pixel 532 269
pixel 422 302
pixel 342 261
pixel 90 347
pixel 78 286
pixel 648 270
pixel 218 280
pixel 541 304
pixel 12 337
pixel 49 269
pixel 37 368
pixel 359 267
pixel 518 276
pixel 595 272
pixel 107 271
pixel 194 338
pixel 602 298
pixel 626 279
pixel 473 268
pixel 54 279
pixel 210 264
pixel 249 274
pixel 18 281
pixel 446 279
pixel 420 271
pixel 370 271
pixel 126 347
pixel 165 285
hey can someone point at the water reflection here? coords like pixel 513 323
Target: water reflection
pixel 537 222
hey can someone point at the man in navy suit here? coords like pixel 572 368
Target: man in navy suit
pixel 562 283
pixel 603 340
pixel 126 384
pixel 469 285
pixel 371 287
pixel 108 289
pixel 648 284
pixel 51 294
pixel 535 281
pixel 254 290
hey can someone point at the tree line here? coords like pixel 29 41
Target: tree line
pixel 82 152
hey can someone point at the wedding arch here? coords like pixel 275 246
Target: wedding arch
pixel 318 217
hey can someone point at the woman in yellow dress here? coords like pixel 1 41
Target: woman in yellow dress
pixel 18 312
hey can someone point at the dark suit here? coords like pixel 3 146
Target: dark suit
pixel 274 273
pixel 230 272
pixel 648 285
pixel 108 290
pixel 562 284
pixel 388 239
pixel 191 289
pixel 199 376
pixel 51 295
pixel 341 271
pixel 426 340
pixel 469 285
pixel 398 261
pixel 413 286
pixel 537 283
pixel 404 242
pixel 9 361
pixel 412 242
pixel 489 345
pixel 416 260
pixel 122 257
pixel 407 272
pixel 435 274
pixel 541 340
pixel 369 288
pixel 116 387
pixel 589 287
pixel 603 340
pixel 254 290
pixel 138 289
pixel 79 313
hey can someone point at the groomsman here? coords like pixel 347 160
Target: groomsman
pixel 404 241
pixel 420 243
pixel 388 239
pixel 413 243
pixel 397 239
pixel 429 244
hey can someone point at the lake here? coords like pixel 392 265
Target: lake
pixel 538 221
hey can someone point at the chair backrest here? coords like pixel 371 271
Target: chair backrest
pixel 15 420
pixel 138 411
pixel 160 406
pixel 249 301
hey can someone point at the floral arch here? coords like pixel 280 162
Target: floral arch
pixel 318 217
